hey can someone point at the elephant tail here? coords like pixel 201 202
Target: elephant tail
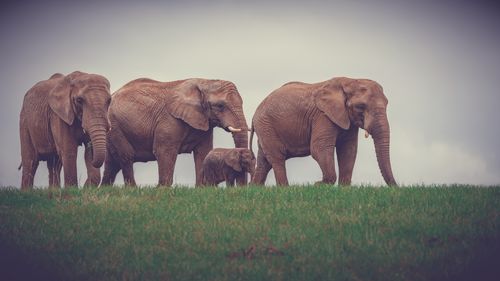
pixel 251 138
pixel 20 165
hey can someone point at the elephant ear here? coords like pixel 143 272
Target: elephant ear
pixel 332 102
pixel 188 104
pixel 60 101
pixel 233 160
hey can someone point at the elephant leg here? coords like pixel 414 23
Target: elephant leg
pixel 347 147
pixel 120 154
pixel 93 173
pixel 199 154
pixel 235 179
pixel 166 146
pixel 242 180
pixel 166 162
pixel 29 170
pixel 69 167
pixel 111 169
pixel 262 169
pixel 29 162
pixel 67 149
pixel 275 155
pixel 325 159
pixel 54 165
pixel 128 173
pixel 279 168
pixel 230 180
pixel 323 137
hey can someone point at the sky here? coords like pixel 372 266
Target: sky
pixel 438 62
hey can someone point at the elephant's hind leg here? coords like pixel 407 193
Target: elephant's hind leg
pixel 29 169
pixel 111 169
pixel 280 171
pixel 262 169
pixel 128 173
pixel 111 165
pixel 29 161
pixel 123 153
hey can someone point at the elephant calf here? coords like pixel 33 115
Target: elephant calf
pixel 226 164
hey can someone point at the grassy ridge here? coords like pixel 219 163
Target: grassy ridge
pixel 255 233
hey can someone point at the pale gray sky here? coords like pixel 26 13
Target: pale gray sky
pixel 439 64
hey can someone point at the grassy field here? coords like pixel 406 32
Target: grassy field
pixel 254 233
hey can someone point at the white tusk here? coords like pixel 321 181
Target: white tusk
pixel 84 131
pixel 233 130
pixel 367 134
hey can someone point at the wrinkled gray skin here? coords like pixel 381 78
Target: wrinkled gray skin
pixel 301 119
pixel 152 120
pixel 227 164
pixel 57 116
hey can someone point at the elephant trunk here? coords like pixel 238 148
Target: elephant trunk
pixel 381 139
pixel 240 137
pixel 97 133
pixel 241 141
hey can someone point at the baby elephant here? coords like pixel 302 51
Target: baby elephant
pixel 227 164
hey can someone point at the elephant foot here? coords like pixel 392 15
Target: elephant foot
pixel 319 183
pixel 91 182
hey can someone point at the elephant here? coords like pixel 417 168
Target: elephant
pixel 153 120
pixel 57 116
pixel 300 119
pixel 225 164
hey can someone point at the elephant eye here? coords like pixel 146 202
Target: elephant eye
pixel 359 107
pixel 79 100
pixel 218 106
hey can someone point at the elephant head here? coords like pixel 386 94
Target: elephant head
pixel 362 103
pixel 85 97
pixel 205 104
pixel 241 160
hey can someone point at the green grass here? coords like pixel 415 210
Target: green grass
pixel 254 233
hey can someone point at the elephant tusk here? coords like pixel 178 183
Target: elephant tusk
pixel 367 134
pixel 233 130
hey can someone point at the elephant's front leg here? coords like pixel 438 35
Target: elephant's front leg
pixel 93 173
pixel 229 182
pixel 67 149
pixel 347 148
pixel 323 138
pixel 166 158
pixel 69 166
pixel 54 165
pixel 199 154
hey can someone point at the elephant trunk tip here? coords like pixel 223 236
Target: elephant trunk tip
pixel 97 164
pixel 392 182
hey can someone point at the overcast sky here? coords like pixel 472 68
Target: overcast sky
pixel 438 61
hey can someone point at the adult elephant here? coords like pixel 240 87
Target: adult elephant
pixel 301 119
pixel 152 120
pixel 57 116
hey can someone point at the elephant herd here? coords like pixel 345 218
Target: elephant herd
pixel 147 120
